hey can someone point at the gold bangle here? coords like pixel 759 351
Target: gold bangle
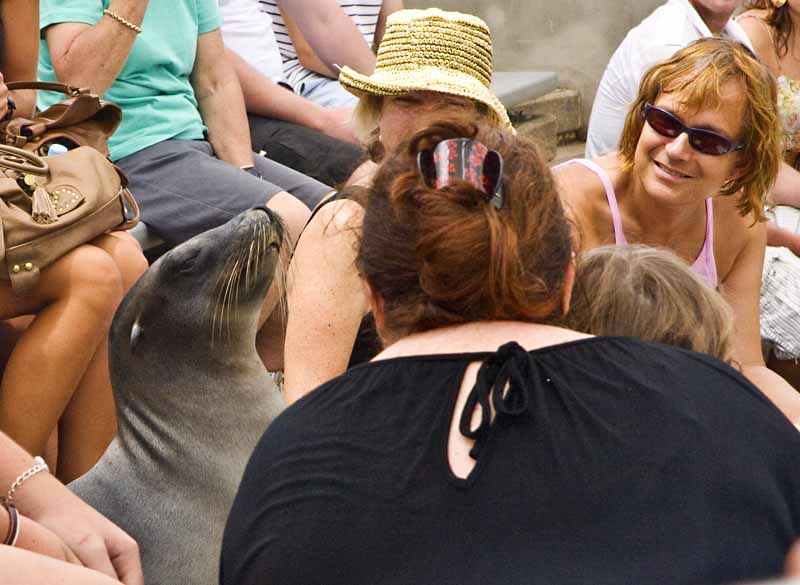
pixel 128 23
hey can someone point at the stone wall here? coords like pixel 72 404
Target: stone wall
pixel 574 38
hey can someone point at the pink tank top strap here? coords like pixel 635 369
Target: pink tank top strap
pixel 706 265
pixel 619 235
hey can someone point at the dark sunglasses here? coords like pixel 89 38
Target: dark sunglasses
pixel 703 141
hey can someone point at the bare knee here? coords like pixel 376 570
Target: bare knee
pixel 292 212
pixel 127 254
pixel 88 275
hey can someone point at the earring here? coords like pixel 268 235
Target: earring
pixel 727 185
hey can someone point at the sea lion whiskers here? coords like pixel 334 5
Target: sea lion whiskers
pixel 224 297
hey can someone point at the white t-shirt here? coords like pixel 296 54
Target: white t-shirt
pixel 669 28
pixel 248 31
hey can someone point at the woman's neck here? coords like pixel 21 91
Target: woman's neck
pixel 658 220
pixel 478 337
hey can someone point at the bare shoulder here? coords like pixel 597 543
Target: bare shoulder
pixel 754 24
pixel 584 197
pixel 335 219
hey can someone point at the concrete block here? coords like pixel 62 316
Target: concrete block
pixel 564 104
pixel 541 128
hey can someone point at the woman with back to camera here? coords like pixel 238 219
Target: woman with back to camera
pixel 56 376
pixel 700 148
pixel 430 63
pixel 485 444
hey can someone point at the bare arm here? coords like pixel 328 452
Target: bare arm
pixel 787 187
pixel 264 97
pixel 94 539
pixel 387 8
pixel 306 55
pixel 21 46
pixel 220 100
pixel 326 299
pixel 332 35
pixel 741 289
pixel 783 238
pixel 92 56
pixel 22 567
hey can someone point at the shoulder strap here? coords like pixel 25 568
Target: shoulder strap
pixel 611 196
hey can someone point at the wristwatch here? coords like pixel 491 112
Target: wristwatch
pixel 252 169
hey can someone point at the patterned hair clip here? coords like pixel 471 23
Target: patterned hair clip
pixel 462 159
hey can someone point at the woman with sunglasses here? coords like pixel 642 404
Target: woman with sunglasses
pixel 700 148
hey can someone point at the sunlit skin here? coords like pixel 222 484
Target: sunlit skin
pixel 670 171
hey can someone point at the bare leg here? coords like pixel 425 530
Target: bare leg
pixel 269 341
pixel 73 302
pixel 84 439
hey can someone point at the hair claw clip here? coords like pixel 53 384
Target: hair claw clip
pixel 462 159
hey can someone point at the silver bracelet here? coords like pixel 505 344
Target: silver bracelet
pixel 39 465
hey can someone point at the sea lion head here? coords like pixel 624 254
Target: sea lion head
pixel 201 300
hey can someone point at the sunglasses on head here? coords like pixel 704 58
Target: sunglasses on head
pixel 703 141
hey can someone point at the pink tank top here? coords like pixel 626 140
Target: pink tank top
pixel 705 266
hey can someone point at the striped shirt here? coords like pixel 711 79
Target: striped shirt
pixel 364 14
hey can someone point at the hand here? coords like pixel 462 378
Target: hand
pixel 338 123
pixel 96 542
pixel 36 538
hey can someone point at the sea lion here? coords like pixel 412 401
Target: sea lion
pixel 192 396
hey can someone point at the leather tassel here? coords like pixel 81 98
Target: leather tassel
pixel 43 209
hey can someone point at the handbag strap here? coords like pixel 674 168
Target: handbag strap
pixel 70 90
pixel 130 203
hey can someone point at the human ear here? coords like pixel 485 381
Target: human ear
pixel 377 307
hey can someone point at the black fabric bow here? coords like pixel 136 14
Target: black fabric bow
pixel 510 366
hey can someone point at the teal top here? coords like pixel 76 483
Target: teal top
pixel 153 88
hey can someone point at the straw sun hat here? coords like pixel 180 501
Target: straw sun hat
pixel 431 50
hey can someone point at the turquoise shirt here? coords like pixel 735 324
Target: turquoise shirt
pixel 153 88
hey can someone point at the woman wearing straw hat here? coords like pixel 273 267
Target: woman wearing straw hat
pixel 430 64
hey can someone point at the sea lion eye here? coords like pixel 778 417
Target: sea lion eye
pixel 187 264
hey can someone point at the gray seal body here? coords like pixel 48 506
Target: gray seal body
pixel 192 396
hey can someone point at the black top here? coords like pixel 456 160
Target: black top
pixel 611 460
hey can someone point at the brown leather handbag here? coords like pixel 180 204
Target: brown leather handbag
pixel 81 120
pixel 50 205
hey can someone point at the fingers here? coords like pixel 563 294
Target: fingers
pixel 128 565
pixel 70 556
pixel 92 552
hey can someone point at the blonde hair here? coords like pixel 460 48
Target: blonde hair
pixel 652 294
pixel 696 73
